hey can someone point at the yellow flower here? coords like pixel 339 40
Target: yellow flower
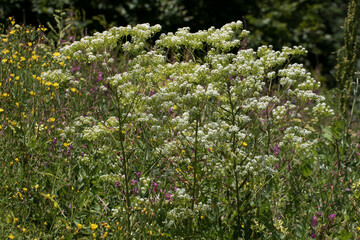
pixel 4 60
pixel 93 226
pixel 175 107
pixel 1 110
pixel 52 119
pixel 80 226
pixel 24 230
pixel 17 78
pixel 4 39
pixel 11 236
pixel 36 186
pixel 55 84
pixel 73 89
pixel 150 233
pixel 29 44
pixel 56 54
pixel 11 163
pixel 25 189
pixel 32 93
pixel 244 144
pixel 5 95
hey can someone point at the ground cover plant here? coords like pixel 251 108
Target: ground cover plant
pixel 136 134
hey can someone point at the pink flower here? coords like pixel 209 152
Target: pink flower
pixel 314 221
pixel 332 216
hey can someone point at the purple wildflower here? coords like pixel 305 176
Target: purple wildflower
pixel 168 196
pixel 276 150
pixel 332 216
pixel 69 149
pixel 314 221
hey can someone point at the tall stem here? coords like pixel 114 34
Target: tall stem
pixel 233 149
pixel 195 163
pixel 124 164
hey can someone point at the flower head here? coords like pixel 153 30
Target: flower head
pixel 332 216
pixel 314 221
pixel 93 226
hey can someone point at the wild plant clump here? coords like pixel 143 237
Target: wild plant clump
pixel 179 135
pixel 196 128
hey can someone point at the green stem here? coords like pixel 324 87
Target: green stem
pixel 124 164
pixel 233 148
pixel 195 162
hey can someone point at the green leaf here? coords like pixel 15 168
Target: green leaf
pixel 344 235
pixel 306 170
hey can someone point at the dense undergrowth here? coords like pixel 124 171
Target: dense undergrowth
pixel 129 134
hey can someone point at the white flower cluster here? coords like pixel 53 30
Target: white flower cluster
pixel 222 39
pixel 101 129
pixel 298 139
pixel 57 76
pixel 96 48
pixel 112 178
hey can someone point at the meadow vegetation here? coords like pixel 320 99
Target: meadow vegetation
pixel 136 134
